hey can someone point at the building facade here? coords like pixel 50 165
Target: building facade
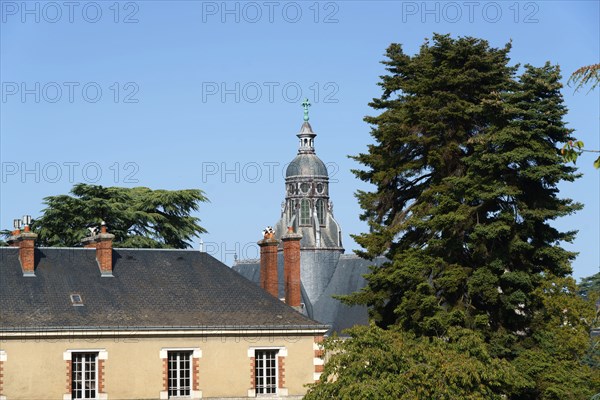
pixel 104 323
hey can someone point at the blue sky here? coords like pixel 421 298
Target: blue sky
pixel 192 94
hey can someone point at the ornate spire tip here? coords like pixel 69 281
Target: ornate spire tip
pixel 305 105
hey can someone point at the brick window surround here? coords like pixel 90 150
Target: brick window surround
pixel 318 361
pixel 196 355
pixel 102 357
pixel 2 361
pixel 281 355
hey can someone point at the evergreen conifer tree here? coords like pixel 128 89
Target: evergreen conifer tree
pixel 138 217
pixel 466 168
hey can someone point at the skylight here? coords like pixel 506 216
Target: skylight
pixel 76 299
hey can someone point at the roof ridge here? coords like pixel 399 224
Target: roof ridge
pixel 114 248
pixel 247 261
pixel 156 249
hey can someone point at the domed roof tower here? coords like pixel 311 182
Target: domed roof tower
pixel 308 209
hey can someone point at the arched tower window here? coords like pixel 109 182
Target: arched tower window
pixel 305 212
pixel 290 210
pixel 321 211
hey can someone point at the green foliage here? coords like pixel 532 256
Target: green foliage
pixel 589 287
pixel 385 364
pixel 559 355
pixel 585 75
pixel 466 168
pixel 138 217
pixel 466 165
pixel 573 149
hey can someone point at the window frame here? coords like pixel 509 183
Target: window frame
pixel 304 214
pixel 101 357
pixel 290 209
pixel 321 212
pixel 84 380
pixel 305 187
pixel 3 359
pixel 195 356
pixel 178 372
pixel 264 389
pixel 280 356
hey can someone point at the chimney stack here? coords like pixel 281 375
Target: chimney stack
pixel 291 268
pixel 25 241
pixel 269 280
pixel 102 242
pixel 12 242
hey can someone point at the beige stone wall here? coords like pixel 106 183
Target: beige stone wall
pixel 35 368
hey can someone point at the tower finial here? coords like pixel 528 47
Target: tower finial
pixel 305 104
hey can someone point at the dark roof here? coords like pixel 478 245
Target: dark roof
pixel 150 288
pixel 347 278
pixel 308 165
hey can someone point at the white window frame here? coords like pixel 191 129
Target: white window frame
pixel 266 355
pixel 180 355
pixel 196 354
pixel 3 358
pixel 83 359
pixel 101 354
pixel 280 352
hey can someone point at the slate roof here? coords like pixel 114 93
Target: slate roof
pixel 150 289
pixel 347 278
pixel 306 165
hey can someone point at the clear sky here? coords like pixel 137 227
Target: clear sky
pixel 202 94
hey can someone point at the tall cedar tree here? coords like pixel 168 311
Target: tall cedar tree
pixel 466 168
pixel 138 217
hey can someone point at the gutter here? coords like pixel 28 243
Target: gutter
pixel 74 331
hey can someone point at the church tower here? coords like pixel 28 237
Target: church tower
pixel 325 271
pixel 309 211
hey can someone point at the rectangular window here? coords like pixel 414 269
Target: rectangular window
pixel 321 211
pixel 180 373
pixel 304 212
pixel 265 371
pixel 84 375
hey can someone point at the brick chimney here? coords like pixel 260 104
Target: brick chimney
pixel 291 268
pixel 25 241
pixel 12 242
pixel 102 242
pixel 269 280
